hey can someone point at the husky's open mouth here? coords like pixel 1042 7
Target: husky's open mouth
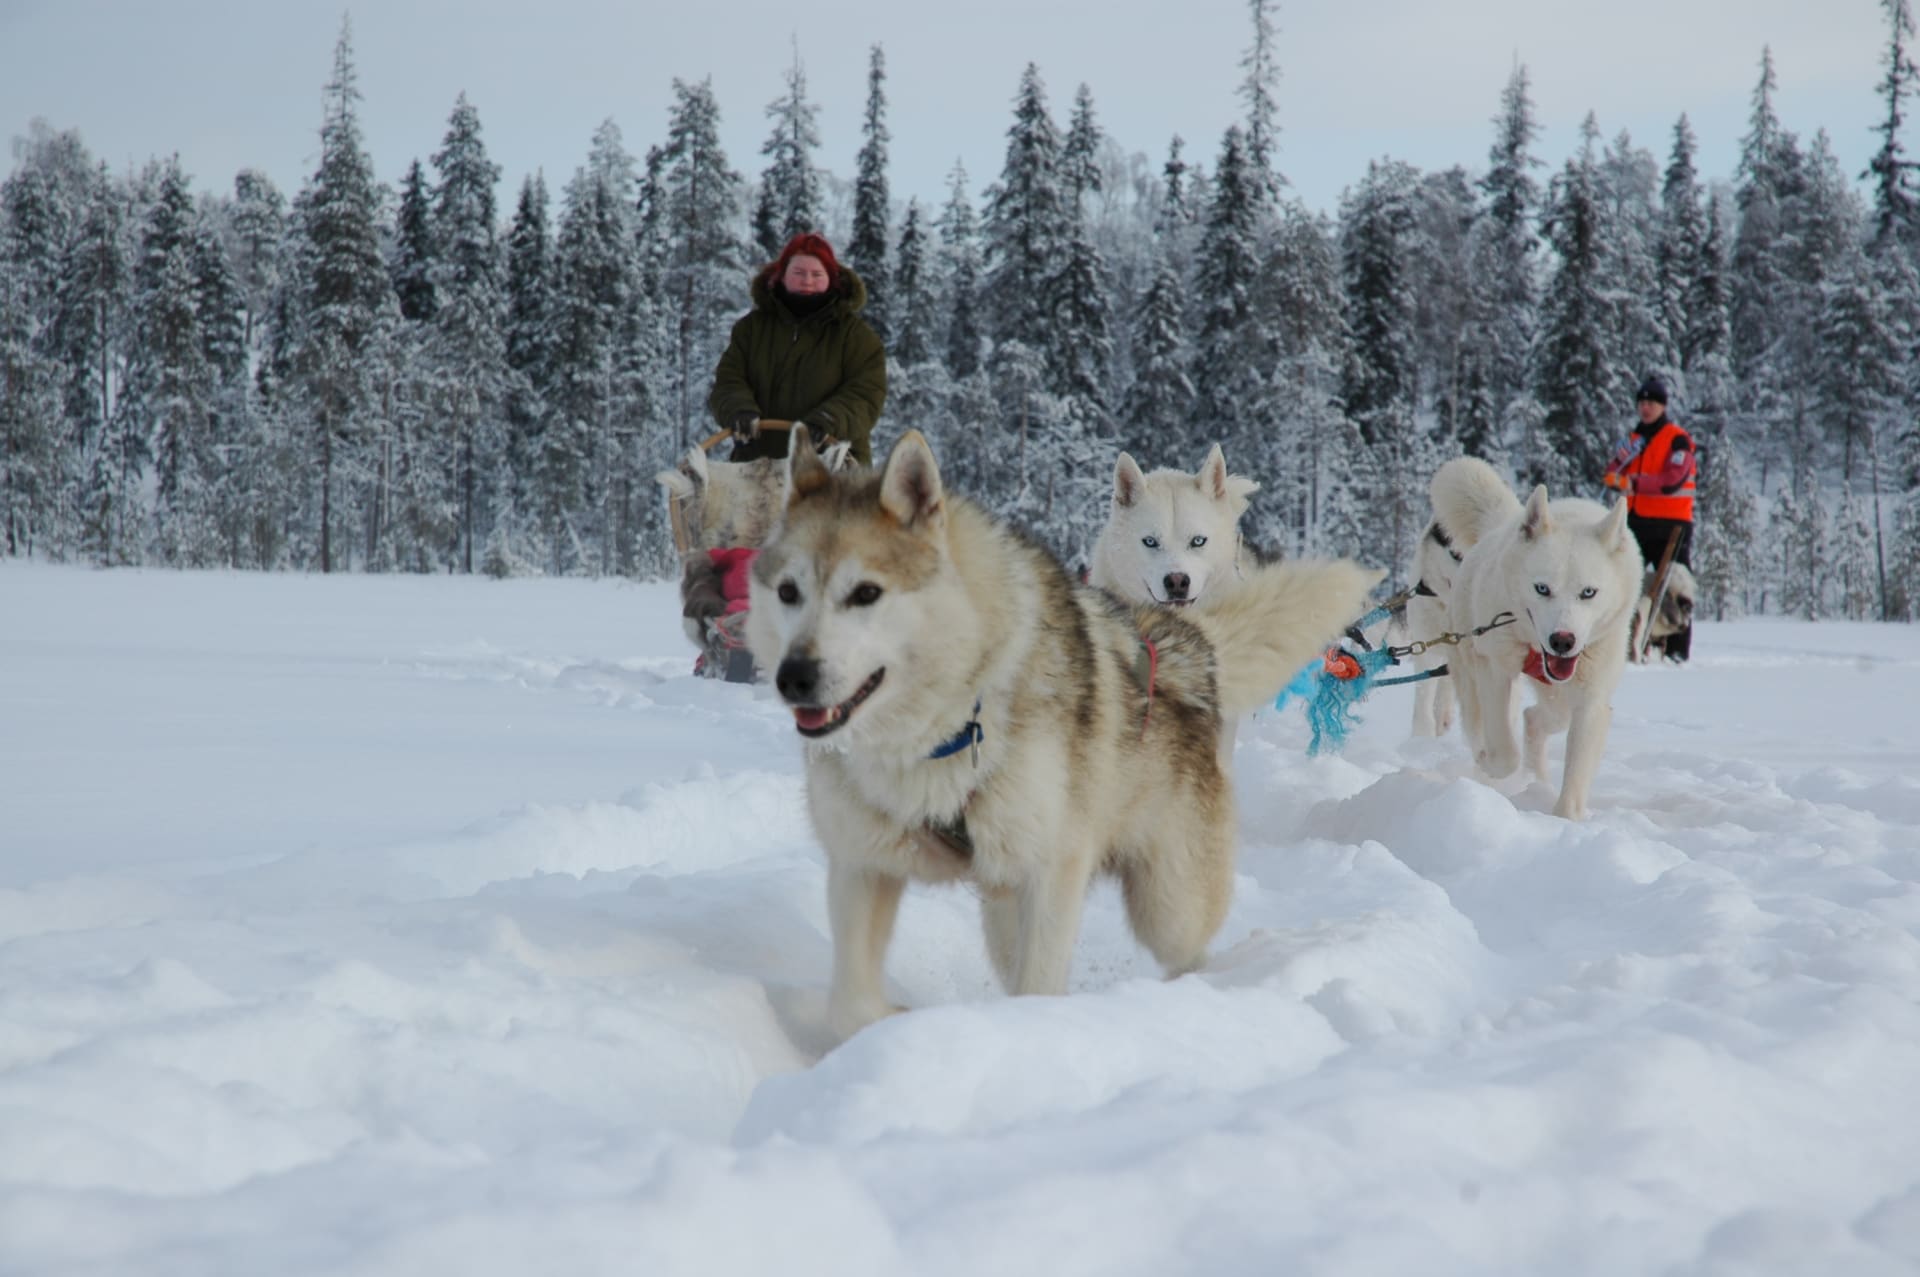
pixel 1549 668
pixel 816 721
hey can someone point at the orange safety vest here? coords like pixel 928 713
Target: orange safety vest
pixel 1652 459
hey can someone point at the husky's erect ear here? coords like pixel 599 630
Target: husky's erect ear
pixel 806 473
pixel 910 488
pixel 1533 520
pixel 687 479
pixel 1128 482
pixel 1613 528
pixel 1213 474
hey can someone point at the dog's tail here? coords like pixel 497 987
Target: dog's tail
pixel 1282 616
pixel 1469 497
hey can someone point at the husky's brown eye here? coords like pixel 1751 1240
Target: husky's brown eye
pixel 789 593
pixel 865 594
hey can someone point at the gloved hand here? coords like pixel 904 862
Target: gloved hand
pixel 746 424
pixel 1614 479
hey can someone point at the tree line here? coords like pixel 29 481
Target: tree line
pixel 377 378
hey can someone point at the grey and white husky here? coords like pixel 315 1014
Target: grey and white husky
pixel 971 712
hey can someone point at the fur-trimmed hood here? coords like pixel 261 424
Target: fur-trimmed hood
pixel 849 296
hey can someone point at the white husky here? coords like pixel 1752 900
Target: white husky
pixel 973 713
pixel 1568 573
pixel 1171 536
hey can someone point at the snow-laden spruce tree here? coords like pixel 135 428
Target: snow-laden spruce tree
pixel 1079 328
pixel 169 389
pixel 469 339
pixel 411 259
pixel 1159 401
pixel 1759 317
pixel 1580 387
pixel 1308 457
pixel 872 211
pixel 790 199
pixel 916 306
pixel 1680 245
pixel 529 338
pixel 1025 223
pixel 596 285
pixel 347 307
pixel 962 273
pixel 1233 347
pixel 704 281
pixel 1726 536
pixel 1506 301
pixel 1378 234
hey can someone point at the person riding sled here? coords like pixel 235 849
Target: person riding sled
pixel 803 353
pixel 1654 467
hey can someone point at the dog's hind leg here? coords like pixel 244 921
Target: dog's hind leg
pixel 861 905
pixel 1177 896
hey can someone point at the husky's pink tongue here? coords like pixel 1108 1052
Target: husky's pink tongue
pixel 809 719
pixel 1549 669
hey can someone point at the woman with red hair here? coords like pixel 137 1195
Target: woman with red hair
pixel 801 354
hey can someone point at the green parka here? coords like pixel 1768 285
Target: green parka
pixel 827 369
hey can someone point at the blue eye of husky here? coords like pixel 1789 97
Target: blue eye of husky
pixel 1152 543
pixel 789 593
pixel 1540 588
pixel 1196 543
pixel 865 594
pixel 1589 592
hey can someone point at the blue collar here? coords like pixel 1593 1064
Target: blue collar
pixel 972 734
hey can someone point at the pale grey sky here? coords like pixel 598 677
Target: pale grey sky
pixel 237 83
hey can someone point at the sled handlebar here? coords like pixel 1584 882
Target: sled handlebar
pixel 718 436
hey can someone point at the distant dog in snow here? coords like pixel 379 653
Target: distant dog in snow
pixel 1676 611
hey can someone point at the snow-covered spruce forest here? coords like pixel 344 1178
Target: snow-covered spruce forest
pixel 396 373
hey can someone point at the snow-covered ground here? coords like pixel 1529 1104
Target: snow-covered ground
pixel 401 925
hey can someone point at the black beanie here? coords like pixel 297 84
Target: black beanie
pixel 1652 388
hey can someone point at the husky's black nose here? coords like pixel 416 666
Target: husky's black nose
pixel 798 678
pixel 1560 642
pixel 1177 583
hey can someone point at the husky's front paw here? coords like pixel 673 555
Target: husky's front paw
pixel 848 1018
pixel 1498 761
pixel 1571 807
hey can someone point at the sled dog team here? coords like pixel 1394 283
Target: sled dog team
pixel 971 711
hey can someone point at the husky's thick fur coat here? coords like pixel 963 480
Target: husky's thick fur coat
pixel 972 712
pixel 1568 573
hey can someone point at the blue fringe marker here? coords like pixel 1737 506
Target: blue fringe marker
pixel 1332 701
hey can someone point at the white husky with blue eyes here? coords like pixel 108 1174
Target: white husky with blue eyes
pixel 1173 538
pixel 1568 573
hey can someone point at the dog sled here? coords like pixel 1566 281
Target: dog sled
pixel 714 578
